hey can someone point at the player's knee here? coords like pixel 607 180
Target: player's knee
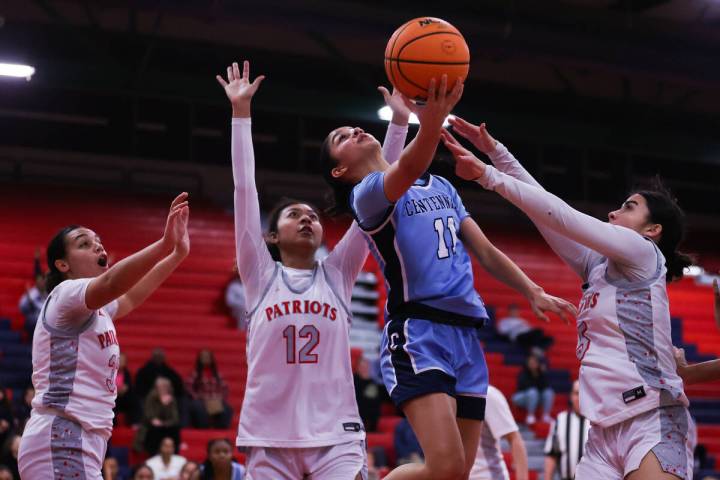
pixel 450 466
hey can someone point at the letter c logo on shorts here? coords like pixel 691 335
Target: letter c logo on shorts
pixel 393 341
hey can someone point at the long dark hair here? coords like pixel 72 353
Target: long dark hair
pixel 274 218
pixel 56 251
pixel 338 198
pixel 207 468
pixel 199 367
pixel 664 210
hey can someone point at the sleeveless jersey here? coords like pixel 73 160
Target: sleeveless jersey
pixel 418 245
pixel 74 369
pixel 624 347
pixel 298 354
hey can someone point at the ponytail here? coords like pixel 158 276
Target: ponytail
pixel 664 210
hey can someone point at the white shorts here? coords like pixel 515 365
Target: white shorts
pixel 336 462
pixel 54 447
pixel 614 452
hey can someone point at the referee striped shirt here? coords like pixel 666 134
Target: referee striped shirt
pixel 566 442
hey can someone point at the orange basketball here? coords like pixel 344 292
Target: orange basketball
pixel 422 49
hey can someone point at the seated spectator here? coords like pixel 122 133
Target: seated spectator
pixel 111 469
pixel 154 368
pixel 161 418
pixel 407 447
pixel 6 473
pixel 219 464
pixel 235 299
pixel 23 407
pixel 9 454
pixel 208 407
pixel 126 402
pixel 369 395
pixel 143 472
pixel 519 331
pixel 533 389
pixel 166 465
pixel 189 471
pixel 7 419
pixel 32 300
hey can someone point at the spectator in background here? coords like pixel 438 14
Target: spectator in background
pixel 7 419
pixel 23 407
pixel 6 473
pixel 32 300
pixel 126 402
pixel 154 368
pixel 111 469
pixel 219 464
pixel 9 454
pixel 407 447
pixel 519 331
pixel 235 299
pixel 166 465
pixel 533 389
pixel 369 395
pixel 189 471
pixel 161 418
pixel 566 440
pixel 208 408
pixel 143 472
pixel 499 423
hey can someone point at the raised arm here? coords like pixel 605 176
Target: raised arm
pixel 125 274
pixel 137 295
pixel 397 131
pixel 253 257
pixel 416 157
pixel 623 246
pixel 576 255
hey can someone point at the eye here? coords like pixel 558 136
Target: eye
pixel 293 213
pixel 314 217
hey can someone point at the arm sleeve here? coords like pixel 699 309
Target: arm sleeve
pixel 630 252
pixel 498 415
pixel 68 309
pixel 347 259
pixel 577 256
pixel 255 264
pixel 394 142
pixel 369 203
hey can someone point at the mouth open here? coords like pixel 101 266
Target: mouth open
pixel 307 230
pixel 102 261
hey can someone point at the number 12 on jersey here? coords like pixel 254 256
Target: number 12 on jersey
pixel 306 354
pixel 444 249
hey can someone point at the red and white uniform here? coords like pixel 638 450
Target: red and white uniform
pixel 624 346
pixel 75 360
pixel 299 391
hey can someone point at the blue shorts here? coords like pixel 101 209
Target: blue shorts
pixel 419 357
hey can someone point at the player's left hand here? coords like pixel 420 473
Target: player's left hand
pixel 467 165
pixel 541 302
pixel 399 105
pixel 680 360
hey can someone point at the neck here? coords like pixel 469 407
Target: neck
pixel 376 164
pixel 299 260
pixel 166 458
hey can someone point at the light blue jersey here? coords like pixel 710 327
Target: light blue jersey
pixel 417 243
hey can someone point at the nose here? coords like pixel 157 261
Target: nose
pixel 357 131
pixel 612 216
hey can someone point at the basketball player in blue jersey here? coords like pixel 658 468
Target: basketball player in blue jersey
pixel 418 229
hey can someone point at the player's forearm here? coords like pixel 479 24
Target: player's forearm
pixel 394 141
pixel 417 156
pixel 700 372
pixel 549 468
pixel 497 264
pixel 137 295
pixel 519 454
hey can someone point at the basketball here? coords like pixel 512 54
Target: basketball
pixel 422 49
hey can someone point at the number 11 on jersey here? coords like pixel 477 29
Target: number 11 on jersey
pixel 444 249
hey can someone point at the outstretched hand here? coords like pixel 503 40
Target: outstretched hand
pixel 239 89
pixel 542 302
pixel 176 237
pixel 399 104
pixel 476 134
pixel 439 103
pixel 467 165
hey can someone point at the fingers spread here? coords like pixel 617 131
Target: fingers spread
pixel 221 81
pixel 246 70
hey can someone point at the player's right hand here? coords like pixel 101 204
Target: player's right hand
pixel 238 88
pixel 476 134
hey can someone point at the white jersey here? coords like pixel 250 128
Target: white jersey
pixel 489 462
pixel 624 344
pixel 299 389
pixel 75 358
pixel 624 347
